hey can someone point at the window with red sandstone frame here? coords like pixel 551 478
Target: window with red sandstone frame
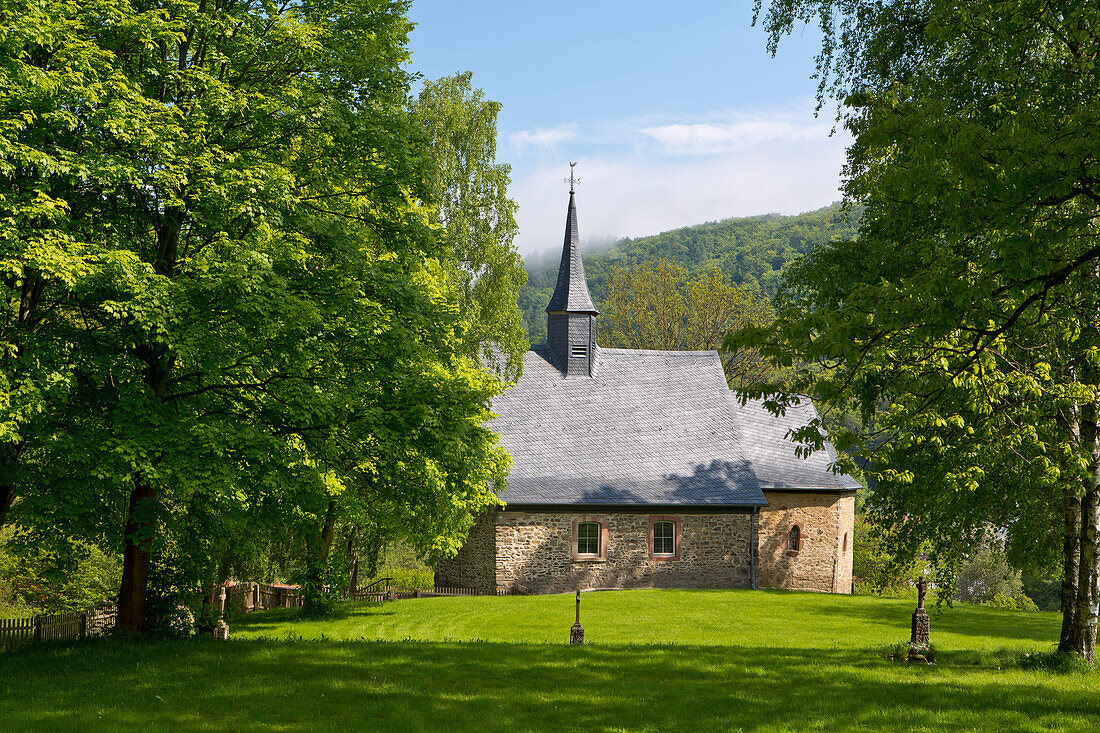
pixel 664 538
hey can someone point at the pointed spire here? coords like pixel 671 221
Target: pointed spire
pixel 571 293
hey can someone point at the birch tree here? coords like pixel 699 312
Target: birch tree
pixel 969 303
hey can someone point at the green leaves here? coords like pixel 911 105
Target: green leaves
pixel 475 219
pixel 961 322
pixel 223 286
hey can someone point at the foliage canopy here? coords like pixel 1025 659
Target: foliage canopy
pixel 229 315
pixel 966 309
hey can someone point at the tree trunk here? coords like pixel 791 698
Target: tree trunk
pixel 1071 565
pixel 12 453
pixel 1083 640
pixel 328 531
pixel 353 565
pixel 10 456
pixel 7 496
pixel 135 557
pixel 1088 584
pixel 141 518
pixel 318 548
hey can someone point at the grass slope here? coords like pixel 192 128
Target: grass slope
pixel 657 660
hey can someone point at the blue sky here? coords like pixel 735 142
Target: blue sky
pixel 675 112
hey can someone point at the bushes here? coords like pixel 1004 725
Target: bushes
pixel 986 576
pixel 1018 602
pixel 408 578
pixel 42 582
pixel 875 568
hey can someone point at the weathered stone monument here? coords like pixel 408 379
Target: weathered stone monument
pixel 221 630
pixel 921 624
pixel 576 633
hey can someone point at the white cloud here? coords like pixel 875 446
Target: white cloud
pixel 646 176
pixel 542 138
pixel 637 195
pixel 717 137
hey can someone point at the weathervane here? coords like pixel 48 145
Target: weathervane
pixel 571 180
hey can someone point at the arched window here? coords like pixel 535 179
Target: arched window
pixel 588 538
pixel 845 547
pixel 794 540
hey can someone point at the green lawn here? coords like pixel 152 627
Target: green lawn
pixel 657 660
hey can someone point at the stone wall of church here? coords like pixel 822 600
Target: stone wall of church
pixel 535 552
pixel 823 561
pixel 474 566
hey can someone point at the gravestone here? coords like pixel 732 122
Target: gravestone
pixel 576 633
pixel 921 623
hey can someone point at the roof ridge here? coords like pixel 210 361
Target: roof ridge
pixel 663 352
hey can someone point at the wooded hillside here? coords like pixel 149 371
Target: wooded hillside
pixel 750 250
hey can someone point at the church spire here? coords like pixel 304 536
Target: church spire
pixel 571 293
pixel 571 314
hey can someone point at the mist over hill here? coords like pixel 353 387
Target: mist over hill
pixel 750 250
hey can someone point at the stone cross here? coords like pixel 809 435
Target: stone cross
pixel 221 629
pixel 576 633
pixel 921 623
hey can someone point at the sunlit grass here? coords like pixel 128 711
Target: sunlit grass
pixel 656 660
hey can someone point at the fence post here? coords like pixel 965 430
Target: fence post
pixel 38 628
pixel 83 624
pixel 255 596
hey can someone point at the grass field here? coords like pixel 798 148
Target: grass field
pixel 656 660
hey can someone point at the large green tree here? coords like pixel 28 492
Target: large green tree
pixel 967 308
pixel 475 216
pixel 225 302
pixel 658 305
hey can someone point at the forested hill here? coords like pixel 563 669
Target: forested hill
pixel 750 250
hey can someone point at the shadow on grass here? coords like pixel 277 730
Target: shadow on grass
pixel 281 617
pixel 405 686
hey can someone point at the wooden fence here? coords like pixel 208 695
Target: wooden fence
pixel 373 595
pixel 55 627
pixel 249 597
pixel 439 591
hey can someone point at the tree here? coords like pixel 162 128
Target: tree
pixel 967 307
pixel 469 192
pixel 659 306
pixel 212 211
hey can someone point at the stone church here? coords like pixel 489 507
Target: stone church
pixel 637 469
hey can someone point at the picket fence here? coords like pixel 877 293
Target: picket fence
pixel 18 632
pixel 438 591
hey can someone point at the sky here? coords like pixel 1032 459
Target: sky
pixel 675 113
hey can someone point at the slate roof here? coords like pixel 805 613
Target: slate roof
pixel 571 291
pixel 652 428
pixel 773 455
